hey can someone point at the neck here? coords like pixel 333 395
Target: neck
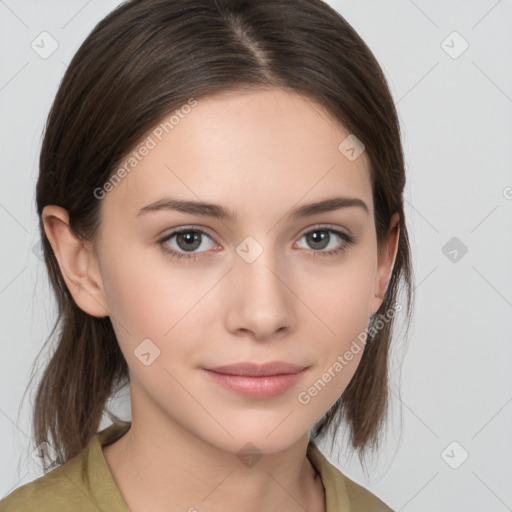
pixel 148 462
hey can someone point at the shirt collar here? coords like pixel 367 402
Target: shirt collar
pixel 108 495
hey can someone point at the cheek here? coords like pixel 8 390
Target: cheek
pixel 341 296
pixel 341 303
pixel 154 300
pixel 343 310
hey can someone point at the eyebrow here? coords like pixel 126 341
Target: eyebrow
pixel 220 212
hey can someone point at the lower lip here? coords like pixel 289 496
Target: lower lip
pixel 257 387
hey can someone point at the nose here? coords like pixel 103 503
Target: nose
pixel 260 301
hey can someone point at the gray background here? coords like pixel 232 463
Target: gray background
pixel 456 115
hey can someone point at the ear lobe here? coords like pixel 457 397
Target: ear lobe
pixel 386 263
pixel 75 262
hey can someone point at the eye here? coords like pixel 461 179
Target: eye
pixel 321 237
pixel 188 240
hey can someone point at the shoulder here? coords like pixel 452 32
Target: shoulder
pixel 363 499
pixel 342 493
pixel 82 484
pixel 57 490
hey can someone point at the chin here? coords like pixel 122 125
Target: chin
pixel 263 438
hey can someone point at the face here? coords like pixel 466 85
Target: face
pixel 266 285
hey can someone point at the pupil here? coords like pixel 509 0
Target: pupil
pixel 190 238
pixel 318 237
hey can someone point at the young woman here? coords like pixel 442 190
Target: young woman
pixel 221 213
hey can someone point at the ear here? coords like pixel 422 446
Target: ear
pixel 386 262
pixel 77 262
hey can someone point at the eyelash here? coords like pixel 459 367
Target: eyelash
pixel 349 240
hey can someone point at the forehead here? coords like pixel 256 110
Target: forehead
pixel 253 150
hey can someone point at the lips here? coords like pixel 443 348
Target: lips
pixel 250 369
pixel 257 381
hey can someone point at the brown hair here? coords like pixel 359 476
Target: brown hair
pixel 142 61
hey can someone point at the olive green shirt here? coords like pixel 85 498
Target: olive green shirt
pixel 85 484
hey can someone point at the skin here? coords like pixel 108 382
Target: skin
pixel 261 154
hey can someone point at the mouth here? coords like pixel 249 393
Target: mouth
pixel 257 381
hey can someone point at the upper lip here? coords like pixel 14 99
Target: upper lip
pixel 258 370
